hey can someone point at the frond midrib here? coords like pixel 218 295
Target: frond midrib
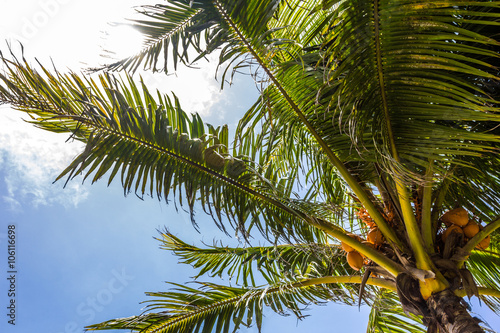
pixel 297 285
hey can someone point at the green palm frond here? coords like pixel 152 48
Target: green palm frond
pixel 154 147
pixel 484 267
pixel 215 308
pixel 248 265
pixel 174 34
pixel 294 98
pixel 411 77
pixel 387 316
pixel 127 131
pixel 299 154
pixel 183 26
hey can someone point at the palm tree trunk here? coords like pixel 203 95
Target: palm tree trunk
pixel 449 314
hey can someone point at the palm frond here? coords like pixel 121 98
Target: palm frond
pixel 174 34
pixel 484 267
pixel 476 187
pixel 186 28
pixel 215 308
pixel 412 77
pixel 299 154
pixel 249 265
pixel 154 147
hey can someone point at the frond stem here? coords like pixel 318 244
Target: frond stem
pixel 482 291
pixel 383 283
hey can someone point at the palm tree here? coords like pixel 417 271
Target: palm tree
pixel 383 115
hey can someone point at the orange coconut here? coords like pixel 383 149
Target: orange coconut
pixel 375 236
pixel 483 245
pixel 348 248
pixel 447 232
pixel 457 216
pixel 471 229
pixel 373 246
pixel 355 260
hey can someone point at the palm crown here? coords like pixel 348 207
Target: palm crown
pixel 385 112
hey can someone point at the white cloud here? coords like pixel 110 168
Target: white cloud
pixel 30 161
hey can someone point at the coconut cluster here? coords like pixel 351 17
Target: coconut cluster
pixel 374 239
pixel 457 220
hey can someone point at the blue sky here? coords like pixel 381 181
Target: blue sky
pixel 86 253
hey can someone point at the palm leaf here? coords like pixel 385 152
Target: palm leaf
pixel 182 26
pixel 153 146
pixel 215 308
pixel 480 192
pixel 483 266
pixel 173 34
pixel 397 76
pixel 249 265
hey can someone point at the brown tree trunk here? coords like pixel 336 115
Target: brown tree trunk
pixel 449 314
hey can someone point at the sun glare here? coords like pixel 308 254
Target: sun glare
pixel 122 41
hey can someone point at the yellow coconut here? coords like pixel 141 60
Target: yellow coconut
pixel 375 236
pixel 447 224
pixel 373 246
pixel 355 260
pixel 447 232
pixel 471 229
pixel 457 216
pixel 348 248
pixel 483 245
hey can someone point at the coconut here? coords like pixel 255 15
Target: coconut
pixel 471 229
pixel 373 246
pixel 447 224
pixel 348 248
pixel 483 245
pixel 375 236
pixel 453 228
pixel 457 216
pixel 355 260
